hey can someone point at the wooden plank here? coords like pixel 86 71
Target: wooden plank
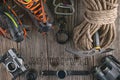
pixel 44 53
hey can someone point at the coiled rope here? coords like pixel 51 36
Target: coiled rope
pixel 100 15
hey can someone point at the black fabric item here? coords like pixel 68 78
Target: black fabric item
pixel 62 74
pixel 48 73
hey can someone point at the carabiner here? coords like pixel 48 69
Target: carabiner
pixel 64 6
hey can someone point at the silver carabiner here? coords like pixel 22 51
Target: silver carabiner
pixel 64 6
pixel 54 3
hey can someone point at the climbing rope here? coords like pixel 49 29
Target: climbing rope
pixel 100 15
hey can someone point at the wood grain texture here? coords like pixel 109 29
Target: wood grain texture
pixel 44 53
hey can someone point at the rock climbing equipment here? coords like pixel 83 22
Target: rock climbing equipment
pixel 69 6
pixel 36 10
pixel 89 53
pixel 98 17
pixel 95 51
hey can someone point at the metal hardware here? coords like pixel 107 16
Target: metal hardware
pixel 62 74
pixel 13 63
pixel 65 6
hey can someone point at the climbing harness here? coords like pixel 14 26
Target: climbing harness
pixel 69 6
pixel 36 9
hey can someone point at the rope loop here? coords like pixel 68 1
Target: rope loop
pixel 101 17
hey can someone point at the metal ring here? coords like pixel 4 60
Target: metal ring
pixel 31 74
pixel 8 67
pixel 61 74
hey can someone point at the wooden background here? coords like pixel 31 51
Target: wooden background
pixel 44 53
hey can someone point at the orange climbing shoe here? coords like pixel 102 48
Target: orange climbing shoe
pixel 36 9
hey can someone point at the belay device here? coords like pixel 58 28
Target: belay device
pixel 10 24
pixel 13 63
